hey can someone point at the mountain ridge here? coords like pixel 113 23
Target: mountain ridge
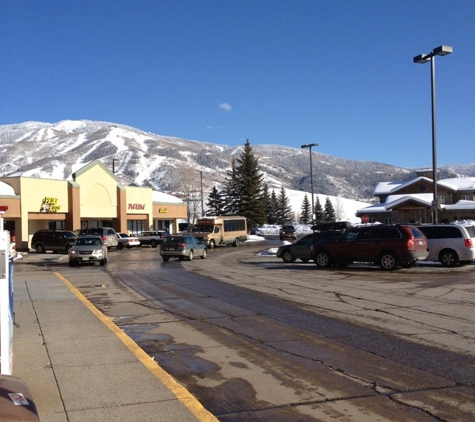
pixel 172 164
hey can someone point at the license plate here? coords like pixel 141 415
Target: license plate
pixel 85 259
pixel 171 249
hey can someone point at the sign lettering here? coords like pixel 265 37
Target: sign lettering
pixel 136 206
pixel 50 205
pixel 163 210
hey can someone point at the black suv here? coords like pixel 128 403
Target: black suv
pixel 389 246
pixel 53 240
pixel 288 232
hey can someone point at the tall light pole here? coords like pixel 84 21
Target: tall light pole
pixel 443 50
pixel 309 146
pixel 114 160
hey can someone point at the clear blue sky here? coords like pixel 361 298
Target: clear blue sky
pixel 338 73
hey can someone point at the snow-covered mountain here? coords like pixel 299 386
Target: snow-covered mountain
pixel 171 164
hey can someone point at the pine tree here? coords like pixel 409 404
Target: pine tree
pixel 215 203
pixel 230 193
pixel 319 217
pixel 250 188
pixel 329 214
pixel 285 209
pixel 306 215
pixel 273 216
pixel 268 201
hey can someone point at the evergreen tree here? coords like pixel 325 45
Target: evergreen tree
pixel 268 201
pixel 273 216
pixel 329 214
pixel 285 209
pixel 250 201
pixel 306 215
pixel 230 193
pixel 215 203
pixel 319 217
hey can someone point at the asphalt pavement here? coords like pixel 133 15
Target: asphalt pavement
pixel 79 366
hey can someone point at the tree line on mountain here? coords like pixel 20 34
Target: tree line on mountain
pixel 245 193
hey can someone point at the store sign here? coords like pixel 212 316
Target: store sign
pixel 136 207
pixel 50 205
pixel 163 210
pixel 3 208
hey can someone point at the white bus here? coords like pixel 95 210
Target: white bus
pixel 221 230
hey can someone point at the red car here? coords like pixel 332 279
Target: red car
pixel 389 246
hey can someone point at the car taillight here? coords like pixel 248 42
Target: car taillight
pixel 469 243
pixel 410 243
pixel 104 238
pixel 182 245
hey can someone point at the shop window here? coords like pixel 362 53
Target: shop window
pixel 465 197
pixel 56 225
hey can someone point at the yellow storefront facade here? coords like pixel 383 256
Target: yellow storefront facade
pixel 92 198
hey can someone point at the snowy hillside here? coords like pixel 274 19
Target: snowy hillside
pixel 180 166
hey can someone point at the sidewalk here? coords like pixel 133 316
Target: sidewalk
pixel 79 366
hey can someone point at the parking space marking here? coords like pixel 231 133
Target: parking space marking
pixel 180 392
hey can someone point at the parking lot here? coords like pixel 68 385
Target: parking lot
pixel 242 323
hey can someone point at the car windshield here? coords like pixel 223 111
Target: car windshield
pixel 89 242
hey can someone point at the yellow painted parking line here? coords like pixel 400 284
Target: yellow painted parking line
pixel 180 392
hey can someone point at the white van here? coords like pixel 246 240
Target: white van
pixel 450 244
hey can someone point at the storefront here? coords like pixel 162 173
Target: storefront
pixel 92 198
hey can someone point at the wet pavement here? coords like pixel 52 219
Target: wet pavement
pixel 263 340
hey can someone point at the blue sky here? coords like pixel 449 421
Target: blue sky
pixel 338 73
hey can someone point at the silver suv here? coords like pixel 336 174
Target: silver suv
pixel 88 249
pixel 450 244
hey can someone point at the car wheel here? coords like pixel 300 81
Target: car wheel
pixel 165 258
pixel 212 244
pixel 68 247
pixel 190 256
pixel 388 261
pixel 204 254
pixel 102 262
pixel 40 248
pixel 120 246
pixel 448 258
pixel 153 243
pixel 322 259
pixel 287 256
pixel 72 263
pixel 237 242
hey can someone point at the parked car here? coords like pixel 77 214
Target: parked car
pixel 53 240
pixel 152 237
pixel 257 231
pixel 302 248
pixel 389 246
pixel 287 232
pixel 107 234
pixel 88 249
pixel 126 241
pixel 182 246
pixel 450 244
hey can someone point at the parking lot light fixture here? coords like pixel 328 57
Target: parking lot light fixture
pixel 442 50
pixel 309 146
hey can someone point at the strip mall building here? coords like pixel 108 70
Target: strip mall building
pixel 92 198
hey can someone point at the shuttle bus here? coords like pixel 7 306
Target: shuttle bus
pixel 221 230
